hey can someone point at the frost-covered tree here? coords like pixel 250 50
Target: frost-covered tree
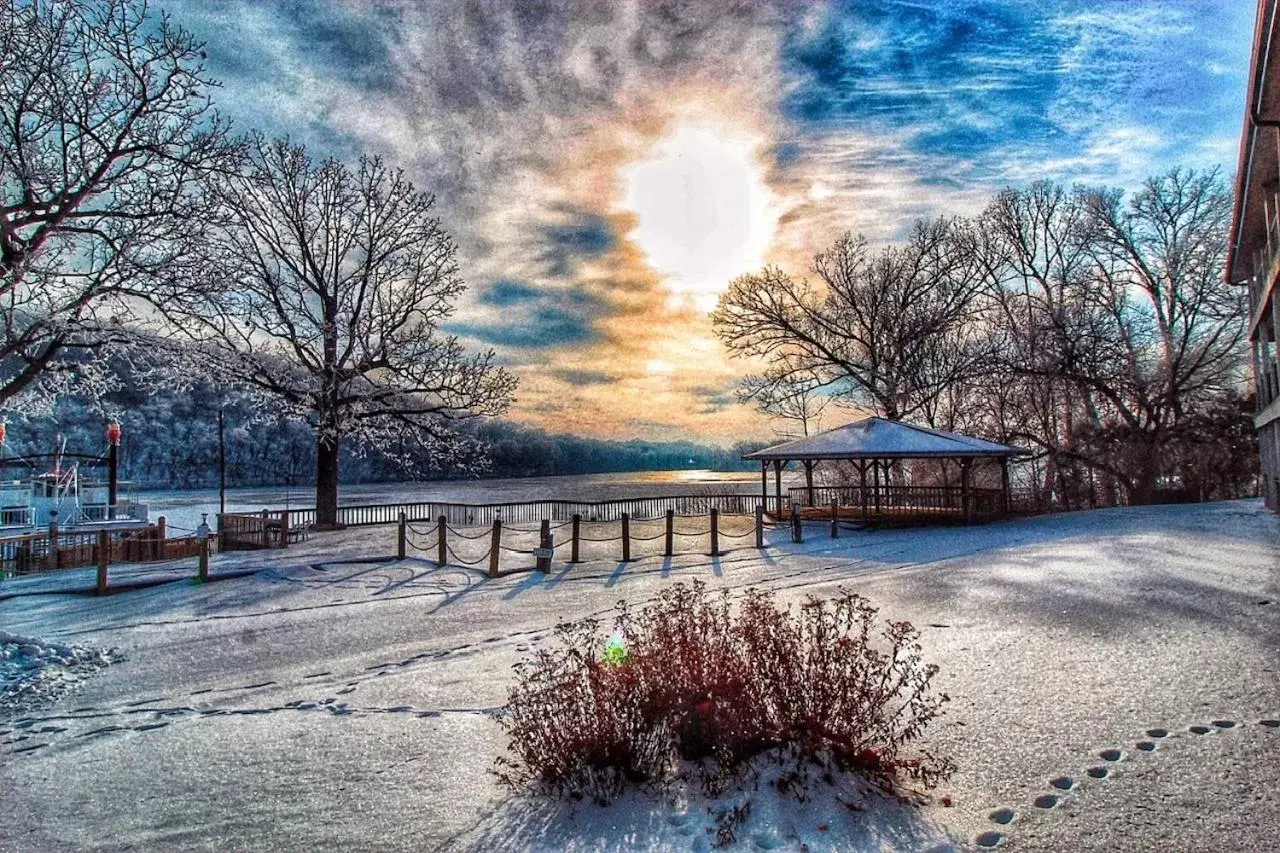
pixel 323 289
pixel 106 129
pixel 886 330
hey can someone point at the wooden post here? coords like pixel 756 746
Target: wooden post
pixel 764 482
pixel 715 532
pixel 777 484
pixel 862 488
pixel 835 518
pixel 964 489
pixel 626 538
pixel 441 545
pixel 401 535
pixel 104 558
pixel 157 541
pixel 577 532
pixel 808 482
pixel 875 470
pixel 222 534
pixel 284 529
pixel 543 564
pixel 266 542
pixel 51 559
pixel 495 545
pixel 1004 485
pixel 797 532
pixel 204 558
pixel 759 525
pixel 671 533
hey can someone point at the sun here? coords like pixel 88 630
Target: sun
pixel 702 208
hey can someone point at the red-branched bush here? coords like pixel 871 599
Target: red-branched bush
pixel 703 684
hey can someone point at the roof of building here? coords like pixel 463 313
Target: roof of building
pixel 877 438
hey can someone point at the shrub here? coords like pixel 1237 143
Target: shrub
pixel 690 683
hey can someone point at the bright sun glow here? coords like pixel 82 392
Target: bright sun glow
pixel 702 209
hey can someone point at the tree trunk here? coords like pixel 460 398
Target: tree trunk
pixel 327 446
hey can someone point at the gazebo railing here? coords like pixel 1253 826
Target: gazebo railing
pixel 902 500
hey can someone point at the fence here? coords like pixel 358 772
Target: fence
pixel 441 540
pixel 29 553
pixel 888 502
pixel 266 529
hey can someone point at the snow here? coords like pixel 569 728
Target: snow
pixel 336 698
pixel 34 672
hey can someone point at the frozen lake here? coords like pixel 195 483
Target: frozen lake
pixel 182 508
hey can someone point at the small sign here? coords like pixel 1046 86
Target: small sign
pixel 544 553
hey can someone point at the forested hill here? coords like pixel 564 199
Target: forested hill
pixel 171 441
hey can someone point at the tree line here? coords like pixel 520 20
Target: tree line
pixel 170 441
pixel 1095 329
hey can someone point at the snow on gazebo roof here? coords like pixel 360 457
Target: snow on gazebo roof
pixel 877 438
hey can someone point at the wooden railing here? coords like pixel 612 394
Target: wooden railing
pixel 892 500
pixel 29 553
pixel 239 531
pixel 553 510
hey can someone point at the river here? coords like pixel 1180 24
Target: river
pixel 182 508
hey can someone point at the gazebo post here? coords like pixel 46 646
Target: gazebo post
pixel 862 490
pixel 764 483
pixel 964 489
pixel 875 470
pixel 777 483
pixel 1004 485
pixel 808 481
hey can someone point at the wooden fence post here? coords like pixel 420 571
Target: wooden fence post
pixel 671 533
pixel 266 534
pixel 797 531
pixel 577 525
pixel 626 538
pixel 495 545
pixel 222 535
pixel 835 519
pixel 759 525
pixel 204 558
pixel 284 529
pixel 543 564
pixel 104 557
pixel 715 532
pixel 51 559
pixel 401 533
pixel 442 525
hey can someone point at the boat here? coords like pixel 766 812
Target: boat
pixel 66 489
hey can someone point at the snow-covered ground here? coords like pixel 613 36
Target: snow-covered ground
pixel 337 699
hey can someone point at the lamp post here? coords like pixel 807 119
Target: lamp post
pixel 113 466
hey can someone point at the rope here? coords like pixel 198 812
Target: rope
pixel 646 538
pixel 617 538
pixel 455 532
pixel 409 525
pixel 528 551
pixel 417 546
pixel 458 559
pixel 706 532
pixel 724 535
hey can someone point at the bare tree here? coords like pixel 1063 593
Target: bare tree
pixel 105 130
pixel 1115 324
pixel 792 398
pixel 886 330
pixel 325 291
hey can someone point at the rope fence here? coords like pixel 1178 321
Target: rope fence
pixel 443 541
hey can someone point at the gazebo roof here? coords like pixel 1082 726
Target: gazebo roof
pixel 877 438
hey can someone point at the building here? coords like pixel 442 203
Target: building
pixel 1254 249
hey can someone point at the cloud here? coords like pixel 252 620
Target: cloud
pixel 523 118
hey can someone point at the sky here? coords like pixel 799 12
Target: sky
pixel 608 168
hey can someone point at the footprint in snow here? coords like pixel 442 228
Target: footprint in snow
pixel 1063 783
pixel 1004 817
pixel 988 839
pixel 1225 724
pixel 1046 801
pixel 1098 772
pixel 1111 755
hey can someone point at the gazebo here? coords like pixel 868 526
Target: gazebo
pixel 874 446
